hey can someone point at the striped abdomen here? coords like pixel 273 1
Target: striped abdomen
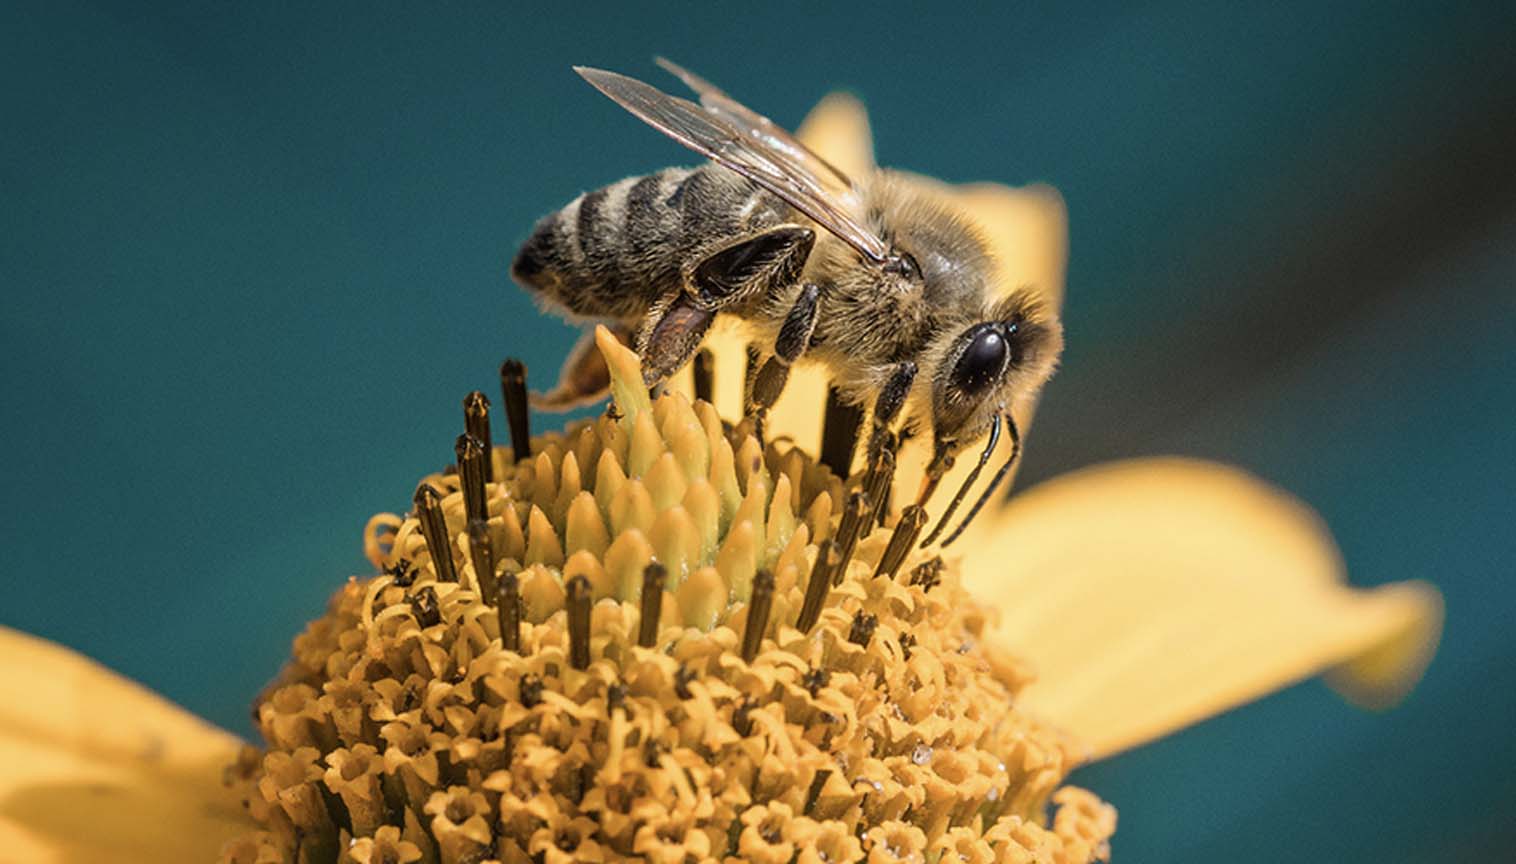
pixel 613 252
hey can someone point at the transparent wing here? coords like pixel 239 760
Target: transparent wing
pixel 761 129
pixel 729 136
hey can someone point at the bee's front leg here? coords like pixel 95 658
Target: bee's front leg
pixel 879 476
pixel 747 267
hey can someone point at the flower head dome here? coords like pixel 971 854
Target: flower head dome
pixel 654 644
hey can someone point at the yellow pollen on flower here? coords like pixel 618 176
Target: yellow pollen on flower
pixel 403 729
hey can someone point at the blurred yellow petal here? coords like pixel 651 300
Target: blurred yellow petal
pixel 1152 594
pixel 838 129
pixel 97 768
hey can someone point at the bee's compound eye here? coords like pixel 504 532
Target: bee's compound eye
pixel 981 362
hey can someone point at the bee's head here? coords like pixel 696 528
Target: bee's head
pixel 983 369
pixel 980 370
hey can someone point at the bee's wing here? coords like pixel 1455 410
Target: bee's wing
pixel 737 138
pixel 765 131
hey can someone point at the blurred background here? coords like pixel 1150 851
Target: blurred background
pixel 252 257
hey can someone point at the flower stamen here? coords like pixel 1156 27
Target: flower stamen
pixel 513 389
pixel 688 654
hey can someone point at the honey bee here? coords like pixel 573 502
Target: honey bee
pixel 871 277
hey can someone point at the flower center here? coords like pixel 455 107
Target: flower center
pixel 644 636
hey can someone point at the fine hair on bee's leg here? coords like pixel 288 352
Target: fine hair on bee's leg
pixel 749 266
pixel 1015 436
pixel 968 482
pixel 888 404
pixel 794 336
pixel 882 441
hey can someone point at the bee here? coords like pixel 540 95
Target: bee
pixel 872 277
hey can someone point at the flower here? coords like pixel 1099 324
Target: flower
pixel 904 724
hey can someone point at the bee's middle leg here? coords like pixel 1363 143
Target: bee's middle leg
pixel 735 272
pixel 794 336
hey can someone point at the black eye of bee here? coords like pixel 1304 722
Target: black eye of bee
pixel 981 362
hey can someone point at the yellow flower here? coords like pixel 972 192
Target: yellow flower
pixel 1135 599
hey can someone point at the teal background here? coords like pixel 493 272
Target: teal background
pixel 253 255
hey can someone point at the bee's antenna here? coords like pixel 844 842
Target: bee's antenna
pixel 1010 425
pixel 968 482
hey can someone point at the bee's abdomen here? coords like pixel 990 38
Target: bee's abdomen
pixel 613 252
pixel 599 256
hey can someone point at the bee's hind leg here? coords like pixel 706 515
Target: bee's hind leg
pixel 584 378
pixel 670 336
pixel 794 336
pixel 751 266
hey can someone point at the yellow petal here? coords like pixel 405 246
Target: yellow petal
pixel 1152 594
pixel 96 768
pixel 838 130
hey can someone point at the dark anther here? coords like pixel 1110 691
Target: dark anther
pixel 651 755
pixel 508 607
pixel 877 481
pixel 968 482
pixel 928 574
pixel 818 782
pixel 615 697
pixel 513 388
pixel 989 491
pixel 907 642
pixel 530 687
pixel 757 614
pixel 401 572
pixel 816 588
pixel 483 557
pixel 682 678
pixel 904 537
pixel 881 512
pixel 863 629
pixel 434 531
pixel 815 679
pixel 652 604
pixel 705 374
pixel 424 607
pixel 476 422
pixel 878 477
pixel 854 514
pixel 839 433
pixel 578 605
pixel 472 471
pixel 742 721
